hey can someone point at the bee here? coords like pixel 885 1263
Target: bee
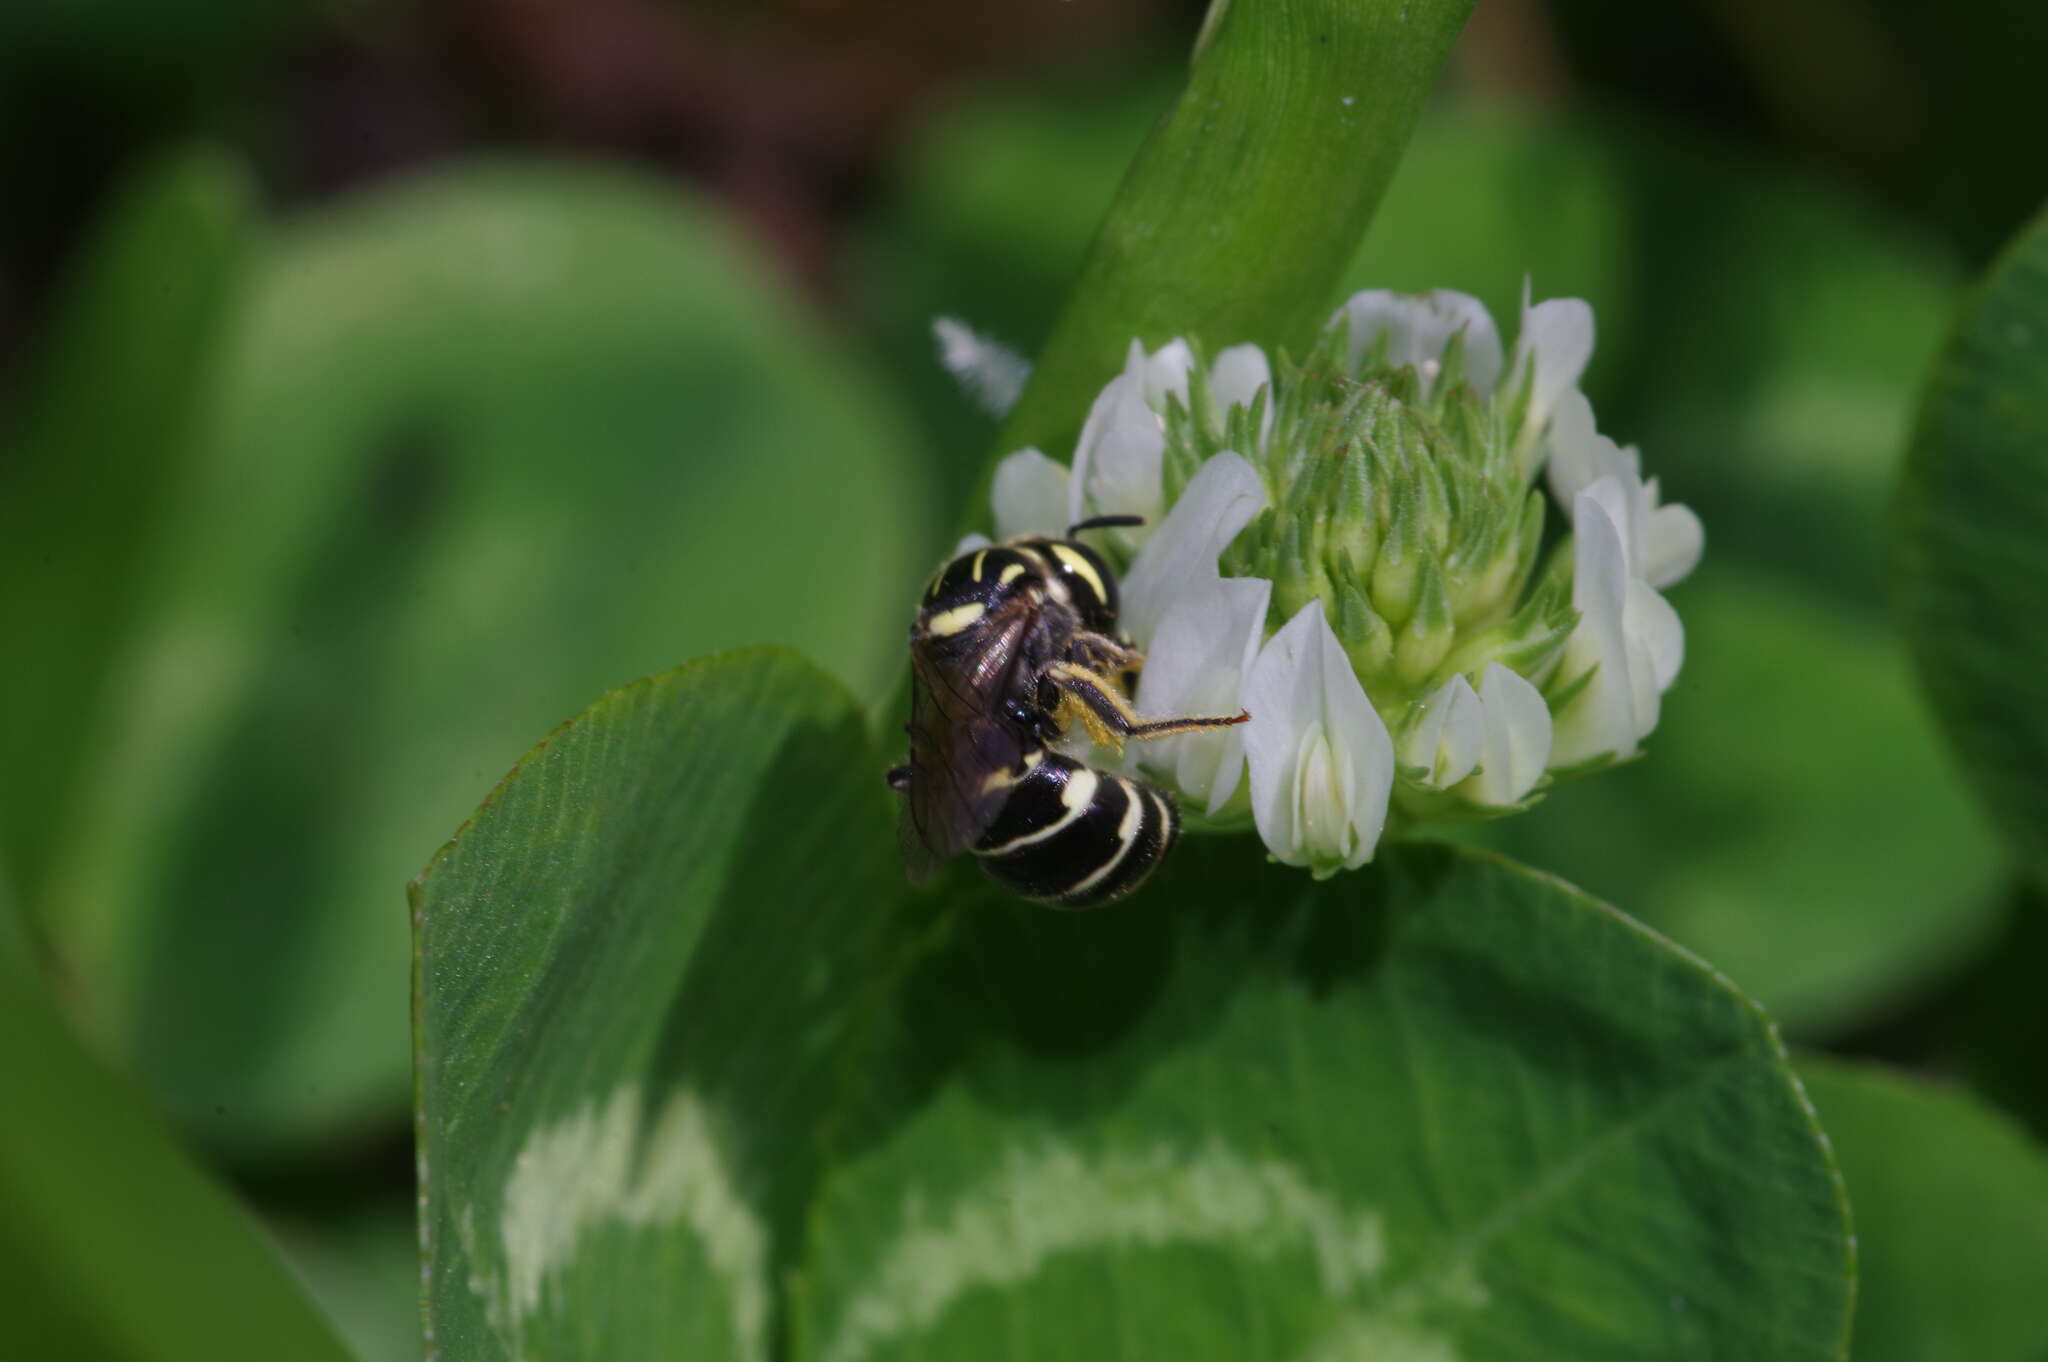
pixel 1013 644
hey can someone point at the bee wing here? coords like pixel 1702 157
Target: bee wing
pixel 959 737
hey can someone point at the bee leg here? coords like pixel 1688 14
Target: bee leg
pixel 1073 709
pixel 1095 701
pixel 899 777
pixel 1101 653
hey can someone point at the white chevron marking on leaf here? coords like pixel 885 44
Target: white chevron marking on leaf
pixel 593 1167
pixel 1048 1201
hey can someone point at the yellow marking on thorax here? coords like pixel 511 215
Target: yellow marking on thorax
pixel 1081 567
pixel 975 571
pixel 1010 574
pixel 949 622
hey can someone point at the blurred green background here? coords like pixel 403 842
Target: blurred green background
pixel 383 381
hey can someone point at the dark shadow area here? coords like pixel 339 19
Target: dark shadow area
pixel 1985 1026
pixel 336 1182
pixel 1017 996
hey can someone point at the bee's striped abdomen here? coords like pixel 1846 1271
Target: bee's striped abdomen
pixel 1076 836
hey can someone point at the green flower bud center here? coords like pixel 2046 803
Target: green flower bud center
pixel 1396 499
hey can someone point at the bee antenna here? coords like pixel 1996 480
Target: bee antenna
pixel 1104 522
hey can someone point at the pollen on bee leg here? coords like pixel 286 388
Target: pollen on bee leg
pixel 1104 711
pixel 1072 707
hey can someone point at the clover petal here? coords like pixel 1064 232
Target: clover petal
pixel 1029 495
pixel 1448 742
pixel 1196 664
pixel 1320 758
pixel 1218 502
pixel 1617 704
pixel 1517 739
pixel 1417 327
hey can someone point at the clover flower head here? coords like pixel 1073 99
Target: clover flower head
pixel 1354 549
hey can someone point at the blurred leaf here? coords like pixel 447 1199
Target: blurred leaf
pixel 1793 820
pixel 363 1267
pixel 633 968
pixel 487 444
pixel 1444 1107
pixel 1238 216
pixel 1951 1211
pixel 1463 213
pixel 1892 93
pixel 113 1246
pixel 994 200
pixel 1781 329
pixel 103 442
pixel 987 218
pixel 1972 542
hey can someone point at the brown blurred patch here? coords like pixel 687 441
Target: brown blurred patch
pixel 782 110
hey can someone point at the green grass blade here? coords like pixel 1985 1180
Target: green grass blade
pixel 114 1246
pixel 105 444
pixel 1238 217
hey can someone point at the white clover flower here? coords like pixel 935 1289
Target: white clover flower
pixel 1196 664
pixel 1555 343
pixel 1322 764
pixel 1354 552
pixel 1517 739
pixel 1663 543
pixel 1119 460
pixel 1414 328
pixel 1199 630
pixel 1445 745
pixel 1491 745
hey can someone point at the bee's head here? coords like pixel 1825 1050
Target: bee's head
pixel 1079 578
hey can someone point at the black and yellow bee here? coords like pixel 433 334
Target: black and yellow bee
pixel 1013 644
